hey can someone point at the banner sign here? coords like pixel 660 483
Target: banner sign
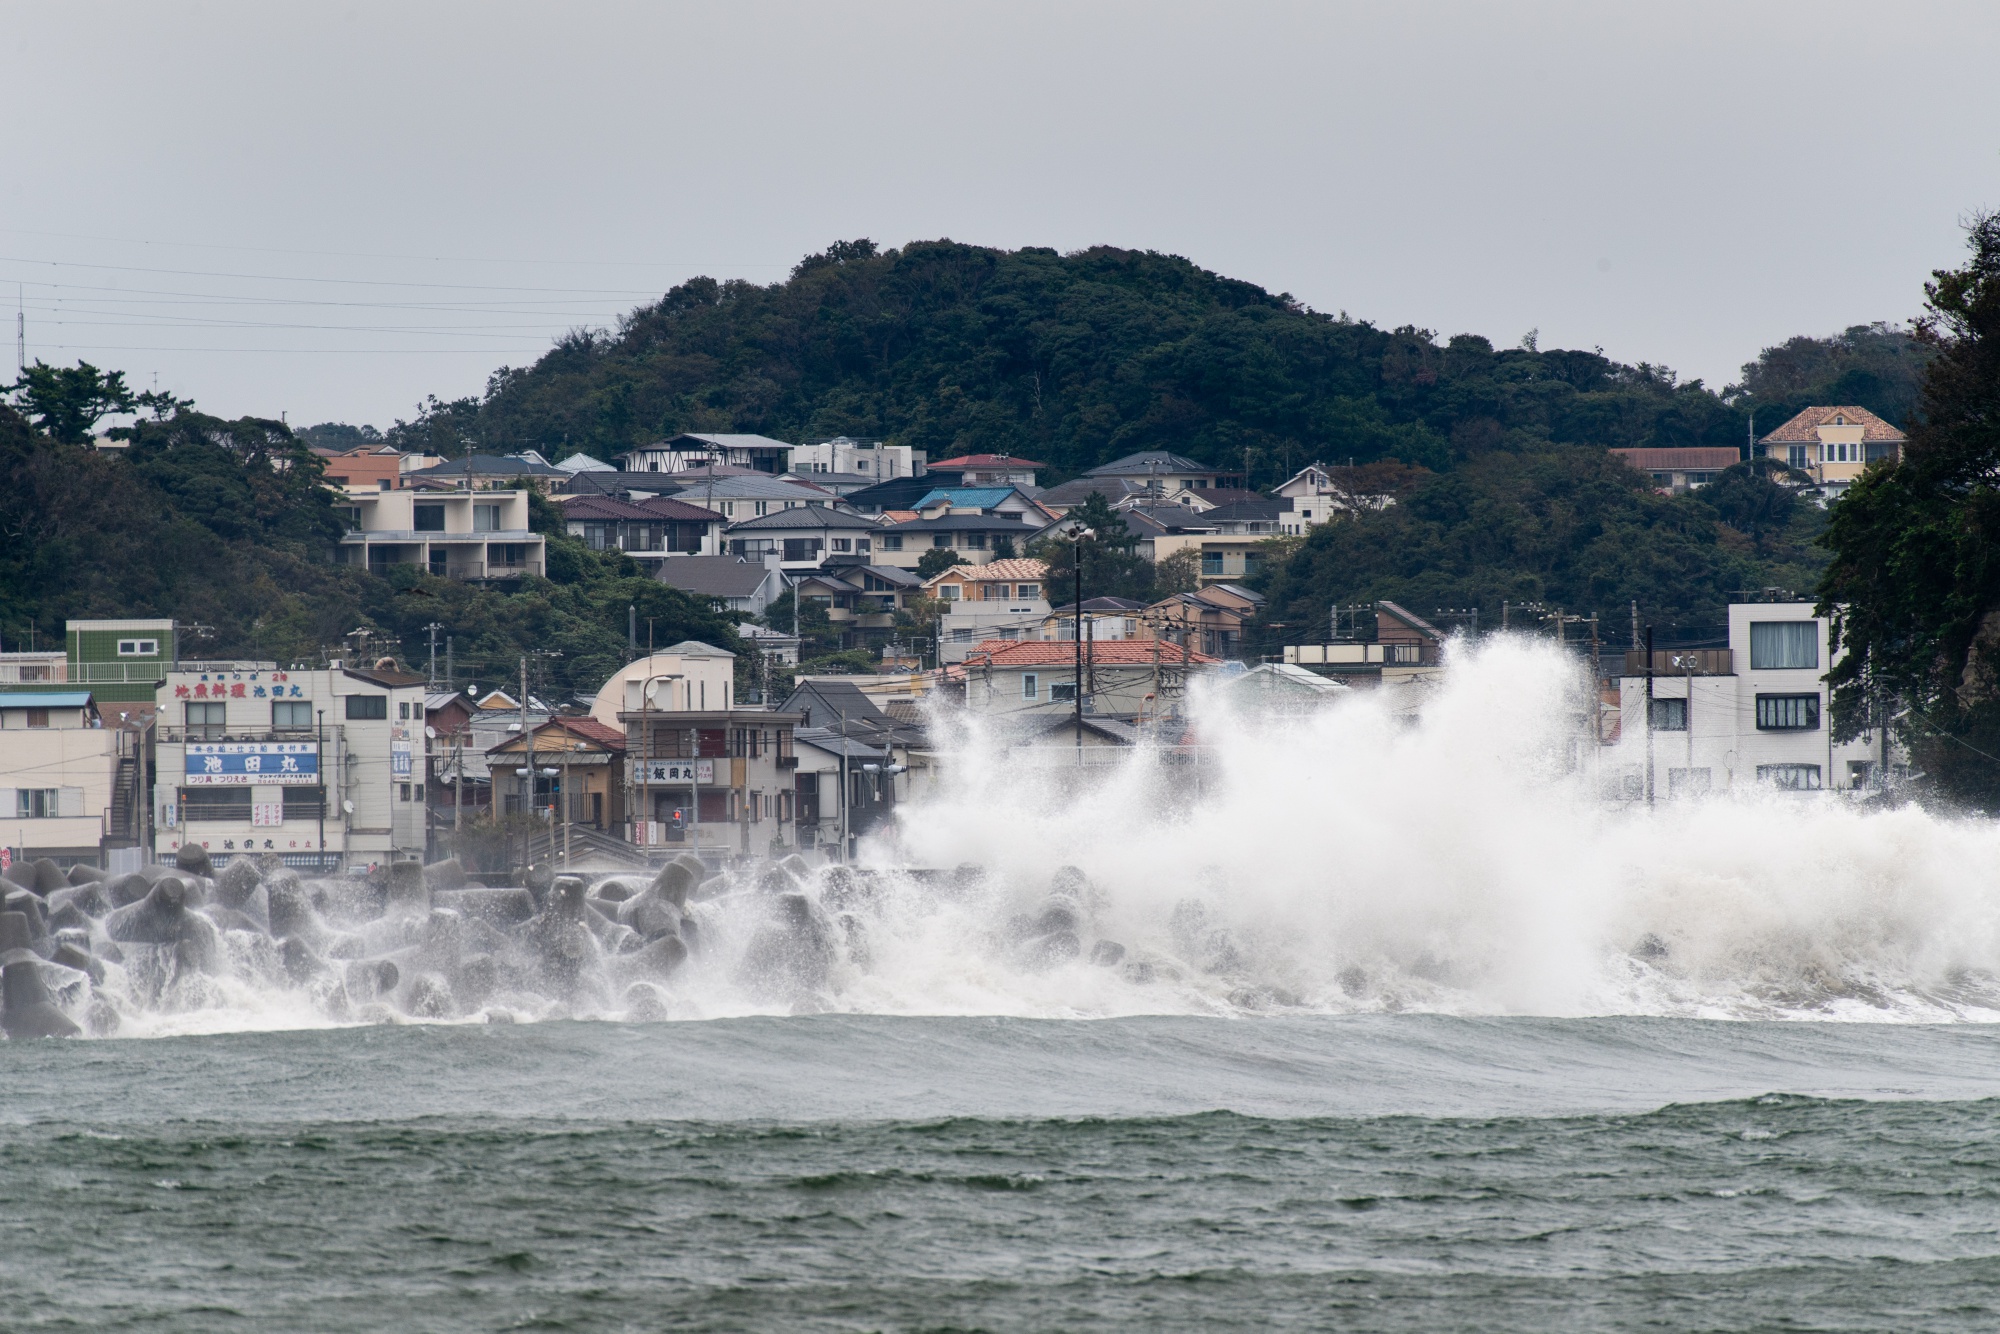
pixel 244 763
pixel 677 771
pixel 399 759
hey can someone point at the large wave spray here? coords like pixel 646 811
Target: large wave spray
pixel 1356 858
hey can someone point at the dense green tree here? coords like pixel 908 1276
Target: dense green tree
pixel 1562 525
pixel 1070 359
pixel 937 560
pixel 67 402
pixel 1112 565
pixel 1876 366
pixel 1914 584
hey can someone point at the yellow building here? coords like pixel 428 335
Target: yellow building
pixel 1833 445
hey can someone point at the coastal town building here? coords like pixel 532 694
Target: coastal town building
pixel 1832 445
pixel 1753 713
pixel 875 460
pixel 1002 599
pixel 650 531
pixel 804 537
pixel 987 470
pixel 324 768
pixel 465 534
pixel 689 450
pixel 1678 471
pixel 69 785
pixel 741 583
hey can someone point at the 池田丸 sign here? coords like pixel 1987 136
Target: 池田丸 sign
pixel 241 763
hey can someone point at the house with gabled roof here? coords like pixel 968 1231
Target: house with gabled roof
pixel 1002 599
pixel 1032 680
pixel 1164 469
pixel 987 470
pixel 804 537
pixel 692 449
pixel 1832 445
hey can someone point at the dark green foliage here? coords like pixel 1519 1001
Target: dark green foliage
pixel 1112 565
pixel 937 560
pixel 339 435
pixel 67 402
pixel 1069 359
pixel 1874 366
pixel 1915 579
pixel 1563 525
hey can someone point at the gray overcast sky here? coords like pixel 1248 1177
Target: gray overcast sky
pixel 335 209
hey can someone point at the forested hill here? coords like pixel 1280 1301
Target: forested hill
pixel 1069 359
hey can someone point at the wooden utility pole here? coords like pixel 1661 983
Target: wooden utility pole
pixel 1649 714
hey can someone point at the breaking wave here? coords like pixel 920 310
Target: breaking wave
pixel 1364 857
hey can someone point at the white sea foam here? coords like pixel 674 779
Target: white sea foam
pixel 1360 858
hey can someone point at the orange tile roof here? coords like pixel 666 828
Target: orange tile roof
pixel 1104 653
pixel 1025 569
pixel 1803 429
pixel 989 461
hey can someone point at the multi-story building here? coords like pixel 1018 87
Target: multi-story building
pixel 1016 681
pixel 67 781
pixel 1002 599
pixel 977 538
pixel 986 470
pixel 872 459
pixel 456 534
pixel 1752 714
pixel 649 531
pixel 703 774
pixel 324 768
pixel 1832 445
pixel 803 538
pixel 44 669
pixel 693 449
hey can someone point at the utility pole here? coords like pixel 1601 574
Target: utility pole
pixel 450 664
pixel 1078 700
pixel 1635 625
pixel 1649 715
pixel 432 629
pixel 528 760
pixel 20 330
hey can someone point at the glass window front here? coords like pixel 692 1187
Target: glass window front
pixel 1784 645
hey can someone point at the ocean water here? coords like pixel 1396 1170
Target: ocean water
pixel 1385 1025
pixel 843 1172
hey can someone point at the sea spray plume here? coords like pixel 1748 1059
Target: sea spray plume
pixel 1434 847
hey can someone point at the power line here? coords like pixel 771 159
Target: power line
pixel 362 254
pixel 348 282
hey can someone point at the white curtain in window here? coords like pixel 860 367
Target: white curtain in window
pixel 1783 645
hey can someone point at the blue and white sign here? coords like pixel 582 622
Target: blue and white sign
pixel 247 763
pixel 682 771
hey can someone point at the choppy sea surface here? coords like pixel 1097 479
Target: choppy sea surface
pixel 855 1172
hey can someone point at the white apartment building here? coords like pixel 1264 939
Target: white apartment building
pixel 1755 713
pixel 324 768
pixel 857 458
pixel 59 767
pixel 455 534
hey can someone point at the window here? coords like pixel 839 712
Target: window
pixel 950 592
pixel 37 803
pixel 1670 715
pixel 485 518
pixel 304 803
pixel 1788 713
pixel 384 484
pixel 403 791
pixel 429 518
pixel 508 553
pixel 892 541
pixel 291 715
pixel 440 561
pixel 207 722
pixel 843 544
pixel 962 634
pixel 861 546
pixel 1791 777
pixel 802 548
pixel 1027 592
pixel 760 507
pixel 215 803
pixel 1030 686
pixel 975 541
pixel 1795 455
pixel 1687 782
pixel 1211 562
pixel 138 648
pixel 941 539
pixel 1062 692
pixel 367 708
pixel 38 717
pixel 1777 646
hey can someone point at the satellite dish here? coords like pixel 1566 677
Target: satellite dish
pixel 347 806
pixel 430 732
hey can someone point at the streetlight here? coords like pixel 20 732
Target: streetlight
pixel 1078 534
